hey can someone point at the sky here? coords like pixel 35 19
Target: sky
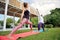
pixel 1 17
pixel 43 6
pixel 28 1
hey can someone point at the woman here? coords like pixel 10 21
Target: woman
pixel 41 23
pixel 24 19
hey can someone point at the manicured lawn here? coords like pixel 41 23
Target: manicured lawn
pixel 51 34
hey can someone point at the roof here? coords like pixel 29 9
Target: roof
pixel 14 8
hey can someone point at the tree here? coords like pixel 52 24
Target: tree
pixel 34 20
pixel 53 18
pixel 1 22
pixel 8 22
pixel 17 22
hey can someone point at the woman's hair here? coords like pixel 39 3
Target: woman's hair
pixel 25 4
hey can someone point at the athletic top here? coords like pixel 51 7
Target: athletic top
pixel 41 19
pixel 26 14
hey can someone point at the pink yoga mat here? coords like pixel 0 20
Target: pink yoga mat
pixel 21 35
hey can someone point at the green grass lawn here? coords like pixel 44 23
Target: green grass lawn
pixel 51 34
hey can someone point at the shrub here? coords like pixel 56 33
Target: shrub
pixel 48 26
pixel 8 26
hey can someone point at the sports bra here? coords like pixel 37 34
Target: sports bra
pixel 26 14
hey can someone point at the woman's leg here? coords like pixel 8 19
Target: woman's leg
pixel 38 26
pixel 28 22
pixel 43 26
pixel 17 27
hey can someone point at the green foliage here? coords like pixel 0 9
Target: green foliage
pixel 51 34
pixel 53 18
pixel 48 26
pixel 8 26
pixel 34 20
pixel 1 22
pixel 18 21
pixel 8 22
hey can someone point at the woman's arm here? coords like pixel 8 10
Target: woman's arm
pixel 22 14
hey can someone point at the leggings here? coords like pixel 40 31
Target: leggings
pixel 41 25
pixel 24 21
